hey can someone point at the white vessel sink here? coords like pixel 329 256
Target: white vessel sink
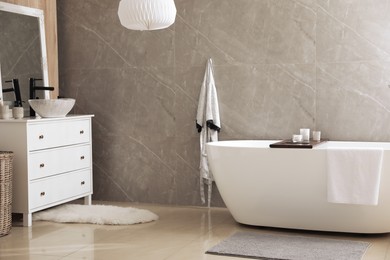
pixel 52 107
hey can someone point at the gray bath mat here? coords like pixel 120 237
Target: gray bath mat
pixel 267 246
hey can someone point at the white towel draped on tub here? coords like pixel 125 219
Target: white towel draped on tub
pixel 208 124
pixel 354 175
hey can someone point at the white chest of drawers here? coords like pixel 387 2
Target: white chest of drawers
pixel 52 161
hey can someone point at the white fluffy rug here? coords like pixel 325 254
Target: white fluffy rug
pixel 95 214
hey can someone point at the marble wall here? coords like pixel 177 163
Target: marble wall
pixel 279 65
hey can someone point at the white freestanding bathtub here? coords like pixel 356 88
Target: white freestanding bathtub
pixel 287 188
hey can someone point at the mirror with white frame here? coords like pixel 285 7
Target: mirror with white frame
pixel 22 51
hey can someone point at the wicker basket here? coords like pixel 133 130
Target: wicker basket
pixel 6 159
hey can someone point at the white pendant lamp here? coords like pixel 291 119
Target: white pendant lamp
pixel 146 14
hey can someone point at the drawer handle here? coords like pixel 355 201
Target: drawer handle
pixel 41 137
pixel 82 157
pixel 81 132
pixel 83 182
pixel 43 193
pixel 41 165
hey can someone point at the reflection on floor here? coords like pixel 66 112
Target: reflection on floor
pixel 181 233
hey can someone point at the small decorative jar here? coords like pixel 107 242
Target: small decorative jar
pixel 4 111
pixel 18 112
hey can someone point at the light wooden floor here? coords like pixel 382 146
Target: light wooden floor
pixel 181 233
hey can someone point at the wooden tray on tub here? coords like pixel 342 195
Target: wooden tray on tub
pixel 289 144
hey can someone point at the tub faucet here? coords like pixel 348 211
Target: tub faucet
pixel 33 89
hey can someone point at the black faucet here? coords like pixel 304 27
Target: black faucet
pixel 33 89
pixel 15 88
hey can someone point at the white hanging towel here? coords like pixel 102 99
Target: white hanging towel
pixel 208 125
pixel 354 175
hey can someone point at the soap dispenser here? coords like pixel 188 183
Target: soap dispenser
pixel 17 110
